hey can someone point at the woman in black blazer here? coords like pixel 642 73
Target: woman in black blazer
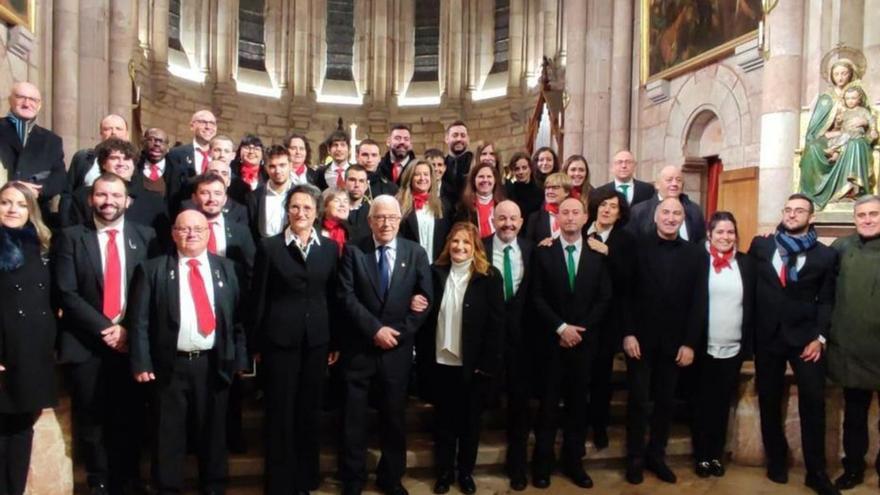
pixel 522 188
pixel 466 325
pixel 541 225
pixel 426 217
pixel 27 331
pixel 727 341
pixel 609 212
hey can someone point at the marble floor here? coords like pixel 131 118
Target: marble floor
pixel 609 480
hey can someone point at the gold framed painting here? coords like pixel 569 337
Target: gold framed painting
pixel 19 12
pixel 680 35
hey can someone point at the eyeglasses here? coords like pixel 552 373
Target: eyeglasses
pixel 32 99
pixel 190 230
pixel 796 211
pixel 386 218
pixel 210 123
pixel 251 147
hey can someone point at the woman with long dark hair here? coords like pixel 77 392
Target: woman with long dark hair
pixel 546 163
pixel 482 192
pixel 523 189
pixel 248 163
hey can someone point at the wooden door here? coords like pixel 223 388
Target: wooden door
pixel 738 193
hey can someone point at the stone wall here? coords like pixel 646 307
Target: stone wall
pixel 16 65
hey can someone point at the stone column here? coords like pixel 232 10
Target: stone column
pixel 597 87
pixel 159 34
pixel 575 72
pixel 516 29
pixel 379 54
pixel 551 40
pixel 780 110
pixel 621 74
pixel 298 59
pixel 533 41
pixel 454 59
pixel 65 84
pixel 871 47
pixel 224 47
pixel 94 66
pixel 123 32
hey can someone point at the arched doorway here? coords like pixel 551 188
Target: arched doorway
pixel 704 141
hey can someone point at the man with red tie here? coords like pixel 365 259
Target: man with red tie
pixel 333 174
pixel 94 264
pixel 399 155
pixel 191 159
pixel 186 338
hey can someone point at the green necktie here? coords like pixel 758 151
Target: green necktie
pixel 508 274
pixel 572 271
pixel 623 188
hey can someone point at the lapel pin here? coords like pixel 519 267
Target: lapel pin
pixel 402 264
pixel 171 274
pixel 131 245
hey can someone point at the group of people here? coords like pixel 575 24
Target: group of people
pixel 171 273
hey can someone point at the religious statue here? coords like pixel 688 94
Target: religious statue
pixel 837 162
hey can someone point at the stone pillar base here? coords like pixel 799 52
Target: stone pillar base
pixel 51 470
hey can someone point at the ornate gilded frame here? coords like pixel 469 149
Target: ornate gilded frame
pixel 14 16
pixel 682 67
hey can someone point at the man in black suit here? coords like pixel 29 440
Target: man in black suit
pixel 378 279
pixel 571 292
pixel 356 184
pixel 796 276
pixel 185 338
pixel 333 174
pixel 84 168
pixel 367 154
pixel 295 308
pixel 232 209
pixel 458 161
pixel 670 184
pixel 29 153
pixel 94 264
pixel 191 159
pixel 669 294
pixel 623 167
pixel 399 155
pixel 268 216
pixel 152 164
pixel 512 255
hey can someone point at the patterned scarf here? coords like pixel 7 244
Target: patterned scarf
pixel 790 247
pixel 21 126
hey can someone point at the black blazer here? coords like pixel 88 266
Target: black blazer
pixel 241 250
pixel 379 185
pixel 642 191
pixel 233 211
pixel 180 168
pixel 455 177
pixel 79 275
pixel 154 316
pixel 513 308
pixel 294 299
pixel 641 219
pixel 621 268
pixel 386 166
pixel 239 191
pixel 794 315
pixel 538 226
pixel 482 321
pixel 359 292
pixel 40 162
pixel 358 226
pixel 529 197
pixel 554 303
pixel 320 179
pixel 409 229
pixel 82 161
pixel 747 273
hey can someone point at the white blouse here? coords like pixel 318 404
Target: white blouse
pixel 725 311
pixel 449 318
pixel 425 219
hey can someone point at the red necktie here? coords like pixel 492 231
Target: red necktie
pixel 112 278
pixel 212 239
pixel 154 172
pixel 206 159
pixel 783 276
pixel 340 178
pixel 395 171
pixel 204 312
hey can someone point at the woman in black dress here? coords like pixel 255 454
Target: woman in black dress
pixel 522 188
pixel 27 331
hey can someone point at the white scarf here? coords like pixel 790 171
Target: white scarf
pixel 449 318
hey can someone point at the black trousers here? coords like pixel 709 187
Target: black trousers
pixel 294 382
pixel 391 370
pixel 195 387
pixel 600 380
pixel 519 391
pixel 459 407
pixel 855 429
pixel 717 381
pixel 567 378
pixel 770 380
pixel 109 414
pixel 16 439
pixel 654 375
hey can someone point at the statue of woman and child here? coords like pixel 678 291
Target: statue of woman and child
pixel 837 162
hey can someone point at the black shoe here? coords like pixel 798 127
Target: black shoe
pixel 541 481
pixel 777 475
pixel 849 479
pixel 821 484
pixel 635 471
pixel 518 482
pixel 579 477
pixel 467 485
pixel 716 468
pixel 443 483
pixel 659 468
pixel 600 438
pixel 703 469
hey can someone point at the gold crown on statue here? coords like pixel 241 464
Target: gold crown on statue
pixel 852 57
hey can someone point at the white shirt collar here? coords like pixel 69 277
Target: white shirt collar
pixel 391 245
pixel 289 237
pixel 577 244
pixel 202 258
pixel 500 244
pixel 118 226
pixel 271 192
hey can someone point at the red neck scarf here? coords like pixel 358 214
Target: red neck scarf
pixel 335 231
pixel 249 173
pixel 720 260
pixel 419 200
pixel 484 216
pixel 300 170
pixel 551 208
pixel 575 192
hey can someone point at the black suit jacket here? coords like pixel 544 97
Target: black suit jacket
pixel 379 185
pixel 747 273
pixel 642 191
pixel 40 162
pixel 79 276
pixel 513 310
pixel 554 303
pixel 233 211
pixel 482 321
pixel 538 226
pixel 621 268
pixel 180 168
pixel 454 179
pixel 358 226
pixel 409 229
pixel 82 161
pixel 294 301
pixel 154 315
pixel 320 179
pixel 387 164
pixel 641 219
pixel 359 292
pixel 798 313
pixel 241 250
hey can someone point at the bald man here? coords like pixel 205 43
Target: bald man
pixel 30 153
pixel 191 159
pixel 84 167
pixel 623 168
pixel 669 184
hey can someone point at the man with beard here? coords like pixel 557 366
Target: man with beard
pixel 399 153
pixel 356 184
pixel 670 184
pixel 268 215
pixel 458 161
pixel 367 153
pixel 84 168
pixel 153 163
pixel 333 174
pixel 94 265
pixel 191 159
pixel 794 299
pixel 232 209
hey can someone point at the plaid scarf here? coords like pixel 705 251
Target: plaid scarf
pixel 21 126
pixel 790 247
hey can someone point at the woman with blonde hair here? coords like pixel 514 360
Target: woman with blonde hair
pixel 542 224
pixel 27 331
pixel 335 206
pixel 577 168
pixel 426 217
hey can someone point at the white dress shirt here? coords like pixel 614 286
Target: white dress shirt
pixel 93 174
pixel 160 165
pixel 602 235
pixel 218 225
pixel 630 190
pixel 290 236
pixel 516 260
pixel 332 171
pixel 199 161
pixel 425 219
pixel 189 338
pixel 554 226
pixel 777 261
pixel 274 214
pixel 449 317
pixel 578 246
pixel 725 311
pixel 119 227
